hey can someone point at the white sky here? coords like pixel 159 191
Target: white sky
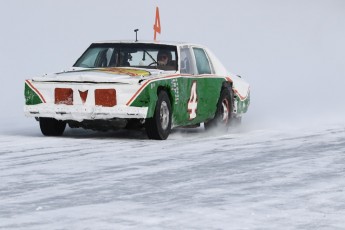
pixel 291 52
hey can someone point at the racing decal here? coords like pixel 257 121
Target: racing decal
pixel 145 84
pixel 115 70
pixel 32 95
pixel 193 98
pixel 202 106
pixel 137 93
pixel 123 71
pixel 175 89
pixel 193 102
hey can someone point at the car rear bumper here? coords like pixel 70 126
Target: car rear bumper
pixel 80 113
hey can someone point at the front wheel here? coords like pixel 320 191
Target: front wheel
pixel 222 118
pixel 51 126
pixel 159 126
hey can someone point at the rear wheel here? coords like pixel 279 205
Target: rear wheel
pixel 51 126
pixel 222 118
pixel 159 126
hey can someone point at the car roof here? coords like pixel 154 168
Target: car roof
pixel 179 44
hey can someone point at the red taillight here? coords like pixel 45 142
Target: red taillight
pixel 105 97
pixel 64 96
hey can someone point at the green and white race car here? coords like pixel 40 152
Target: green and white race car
pixel 151 85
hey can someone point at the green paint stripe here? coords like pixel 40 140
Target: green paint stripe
pixel 31 97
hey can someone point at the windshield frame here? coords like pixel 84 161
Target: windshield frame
pixel 135 46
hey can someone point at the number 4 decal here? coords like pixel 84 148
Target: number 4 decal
pixel 193 102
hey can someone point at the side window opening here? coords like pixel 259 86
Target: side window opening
pixel 202 62
pixel 186 61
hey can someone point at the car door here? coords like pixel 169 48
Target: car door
pixel 195 81
pixel 207 86
pixel 185 111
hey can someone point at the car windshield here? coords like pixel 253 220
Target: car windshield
pixel 151 56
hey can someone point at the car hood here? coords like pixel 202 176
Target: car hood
pixel 101 75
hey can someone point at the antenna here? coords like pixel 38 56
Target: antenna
pixel 136 34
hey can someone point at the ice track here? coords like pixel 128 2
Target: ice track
pixel 258 179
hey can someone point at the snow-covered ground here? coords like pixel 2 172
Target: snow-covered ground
pixel 284 178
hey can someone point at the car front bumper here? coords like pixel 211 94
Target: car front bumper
pixel 80 113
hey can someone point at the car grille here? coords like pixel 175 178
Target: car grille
pixel 103 97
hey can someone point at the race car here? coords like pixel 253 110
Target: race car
pixel 133 84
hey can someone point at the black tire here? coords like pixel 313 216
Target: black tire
pixel 51 126
pixel 159 126
pixel 223 116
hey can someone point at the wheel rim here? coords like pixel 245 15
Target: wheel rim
pixel 225 111
pixel 164 115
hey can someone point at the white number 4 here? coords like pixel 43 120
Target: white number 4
pixel 193 102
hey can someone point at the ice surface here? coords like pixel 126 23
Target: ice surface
pixel 246 179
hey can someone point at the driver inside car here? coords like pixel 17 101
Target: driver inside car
pixel 163 57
